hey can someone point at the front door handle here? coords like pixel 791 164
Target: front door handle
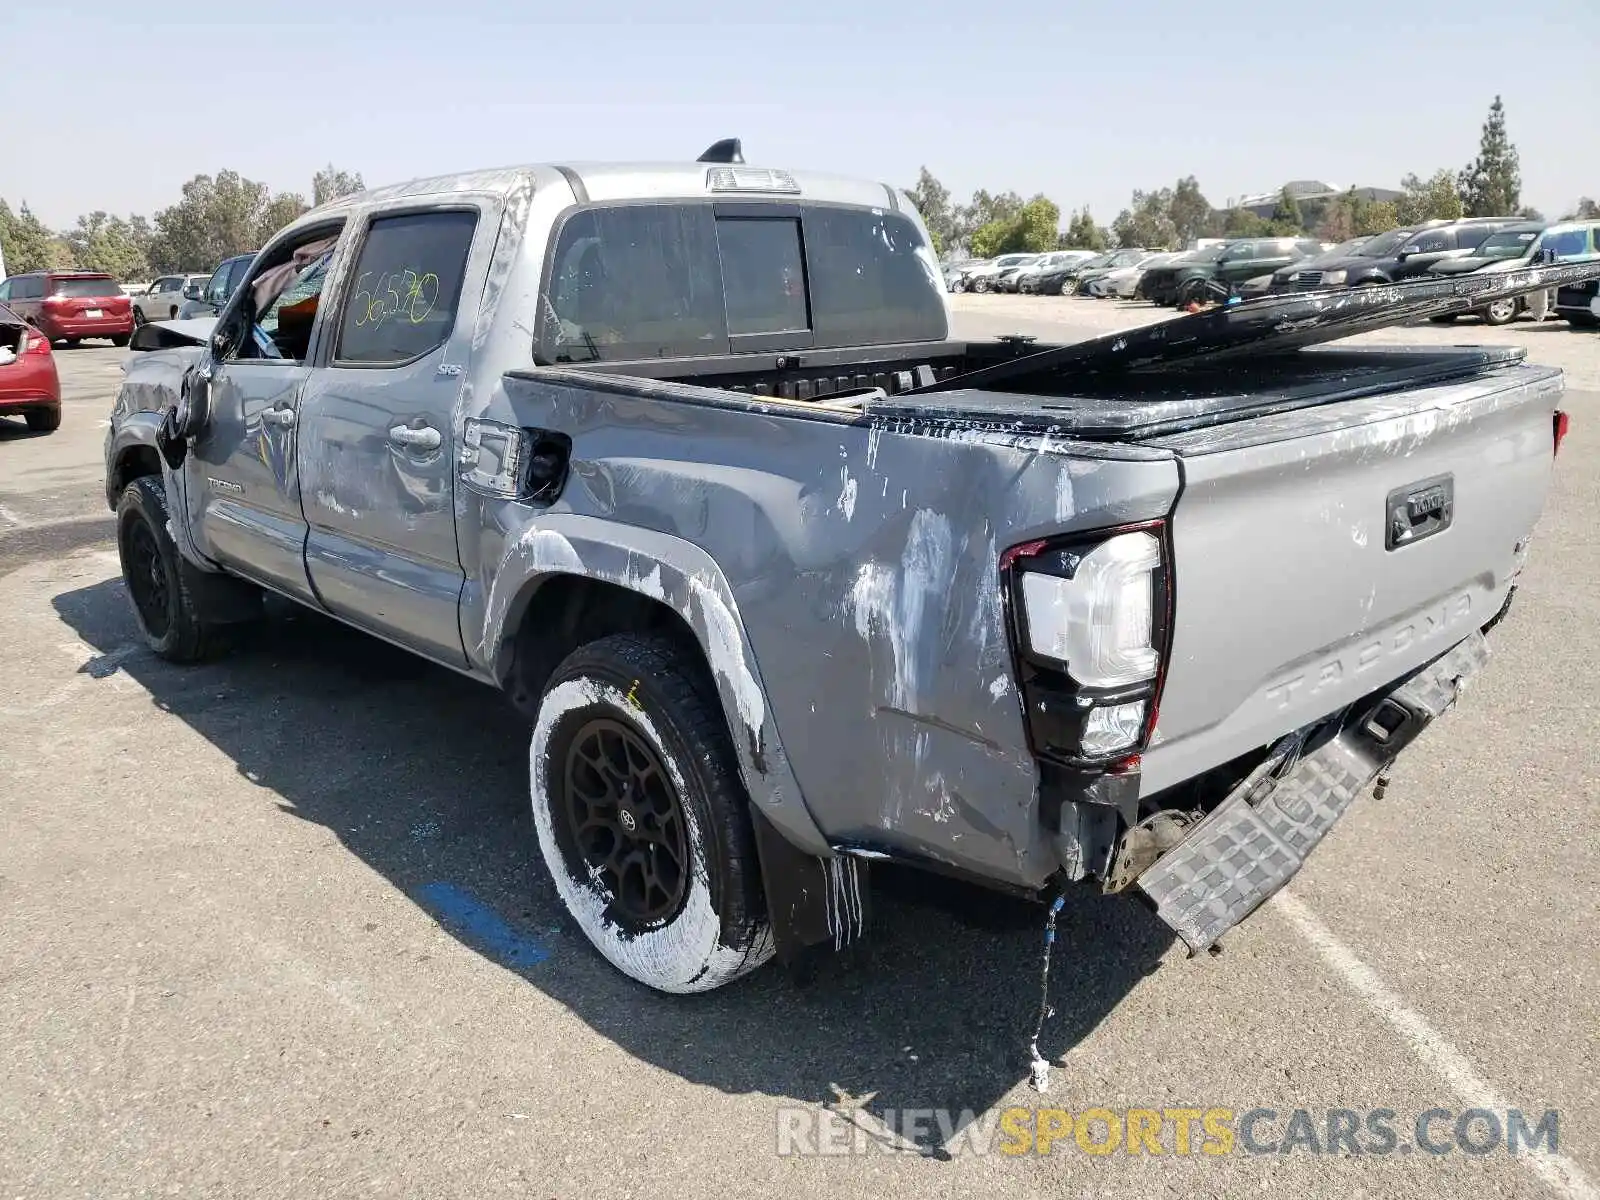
pixel 278 416
pixel 426 438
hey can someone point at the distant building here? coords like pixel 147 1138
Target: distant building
pixel 1308 189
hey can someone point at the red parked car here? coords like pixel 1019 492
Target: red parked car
pixel 29 385
pixel 67 306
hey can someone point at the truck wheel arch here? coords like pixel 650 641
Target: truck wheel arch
pixel 576 579
pixel 133 462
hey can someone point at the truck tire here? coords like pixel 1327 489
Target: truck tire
pixel 642 821
pixel 161 586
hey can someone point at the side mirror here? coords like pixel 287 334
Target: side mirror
pixel 192 292
pixel 184 420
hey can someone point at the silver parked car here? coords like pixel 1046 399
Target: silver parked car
pixel 163 298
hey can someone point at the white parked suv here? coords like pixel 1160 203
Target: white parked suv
pixel 162 299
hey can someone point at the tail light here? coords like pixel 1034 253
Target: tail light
pixel 1562 422
pixel 35 343
pixel 1090 621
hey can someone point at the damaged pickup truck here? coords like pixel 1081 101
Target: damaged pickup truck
pixel 683 459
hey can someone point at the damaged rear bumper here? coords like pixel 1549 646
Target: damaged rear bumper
pixel 1251 844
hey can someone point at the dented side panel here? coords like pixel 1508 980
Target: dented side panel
pixel 844 581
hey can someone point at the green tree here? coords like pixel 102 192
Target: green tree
pixel 330 183
pixel 1039 225
pixel 216 218
pixel 102 242
pixel 983 210
pixel 1190 212
pixel 989 240
pixel 1242 223
pixel 1350 215
pixel 1491 185
pixel 932 201
pixel 1377 216
pixel 1083 234
pixel 1587 210
pixel 1431 199
pixel 1286 220
pixel 1033 229
pixel 278 212
pixel 1147 221
pixel 28 244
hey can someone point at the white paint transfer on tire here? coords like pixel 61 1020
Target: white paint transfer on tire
pixel 685 955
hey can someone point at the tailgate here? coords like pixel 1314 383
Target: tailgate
pixel 1323 553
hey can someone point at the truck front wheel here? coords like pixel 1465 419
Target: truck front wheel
pixel 642 820
pixel 161 586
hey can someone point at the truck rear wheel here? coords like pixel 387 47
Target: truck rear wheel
pixel 161 586
pixel 642 820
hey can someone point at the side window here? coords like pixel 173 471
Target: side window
pixel 1470 237
pixel 407 287
pixel 1569 243
pixel 634 281
pixel 217 286
pixel 32 288
pixel 763 275
pixel 241 268
pixel 5 291
pixel 1430 241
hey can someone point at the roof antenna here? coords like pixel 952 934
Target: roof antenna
pixel 727 150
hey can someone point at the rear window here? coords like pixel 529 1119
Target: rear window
pixel 81 287
pixel 763 277
pixel 872 279
pixel 638 281
pixel 688 280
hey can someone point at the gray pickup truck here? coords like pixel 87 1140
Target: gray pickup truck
pixel 683 459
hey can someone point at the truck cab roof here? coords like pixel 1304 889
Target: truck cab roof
pixel 601 181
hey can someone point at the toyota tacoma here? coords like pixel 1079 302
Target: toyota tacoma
pixel 788 582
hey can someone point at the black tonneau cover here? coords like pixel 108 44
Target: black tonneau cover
pixel 1269 325
pixel 1128 406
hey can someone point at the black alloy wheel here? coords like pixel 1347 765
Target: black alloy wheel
pixel 147 578
pixel 625 820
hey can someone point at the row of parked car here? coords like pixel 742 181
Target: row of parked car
pixel 1248 267
pixel 68 306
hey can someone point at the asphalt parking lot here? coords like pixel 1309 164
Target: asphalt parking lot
pixel 273 926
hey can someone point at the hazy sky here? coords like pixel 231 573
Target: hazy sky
pixel 122 102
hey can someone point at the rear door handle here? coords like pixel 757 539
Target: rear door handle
pixel 278 416
pixel 426 438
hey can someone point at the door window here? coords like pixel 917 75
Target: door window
pixel 1429 242
pixel 407 287
pixel 217 286
pixel 5 290
pixel 1568 243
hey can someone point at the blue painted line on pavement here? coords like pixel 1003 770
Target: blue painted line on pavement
pixel 480 926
